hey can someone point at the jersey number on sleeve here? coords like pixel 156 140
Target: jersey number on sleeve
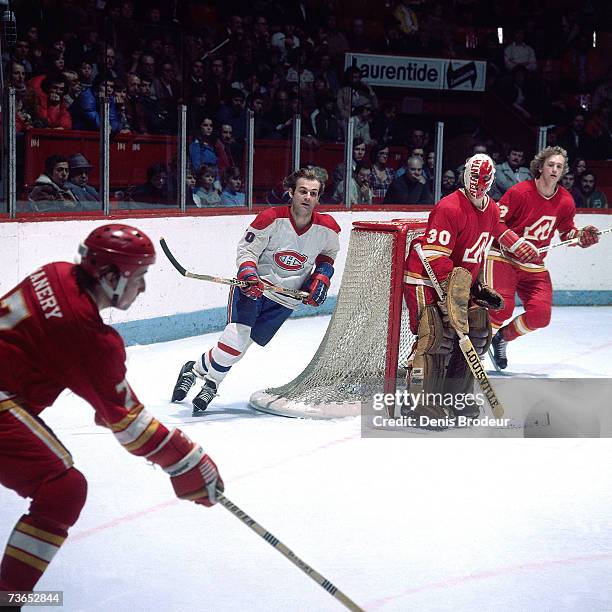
pixel 13 309
pixel 443 237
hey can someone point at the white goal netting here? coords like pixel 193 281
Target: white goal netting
pixel 367 337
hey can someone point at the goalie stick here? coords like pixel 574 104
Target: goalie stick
pixel 294 293
pixel 466 346
pixel 288 553
pixel 570 242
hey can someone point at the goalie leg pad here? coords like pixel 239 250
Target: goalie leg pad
pixel 458 297
pixel 431 354
pixel 459 378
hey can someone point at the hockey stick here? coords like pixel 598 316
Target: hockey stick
pixel 288 553
pixel 466 346
pixel 293 293
pixel 569 242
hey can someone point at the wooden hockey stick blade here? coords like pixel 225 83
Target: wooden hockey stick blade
pixel 570 241
pixel 293 293
pixel 288 553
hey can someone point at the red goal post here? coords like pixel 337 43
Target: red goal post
pixel 368 339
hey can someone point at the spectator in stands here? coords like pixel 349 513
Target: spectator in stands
pixel 20 55
pixel 599 128
pixel 410 188
pixel 78 182
pixel 234 114
pixel 166 87
pixel 226 139
pixel 354 93
pixel 195 78
pixel 286 41
pixel 106 64
pixel 52 108
pixel 519 53
pixel 578 166
pixel 334 40
pixel 391 40
pixel 205 148
pixel 510 172
pixel 191 185
pixel 386 128
pixel 152 119
pixel 147 66
pixel 280 117
pixel 326 126
pixel 49 192
pixel 449 182
pixel 381 174
pixel 361 126
pixel 588 196
pixel 328 73
pixel 359 151
pixel 360 191
pixel 299 78
pixel 429 168
pixel 125 117
pixel 582 66
pixel 576 141
pixel 218 90
pixel 206 191
pixel 232 183
pixel 603 93
pixel 25 96
pixel 406 17
pixel 359 41
pixel 568 180
pixel 85 73
pixel 156 190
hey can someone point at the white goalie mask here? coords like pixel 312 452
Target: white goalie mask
pixel 478 175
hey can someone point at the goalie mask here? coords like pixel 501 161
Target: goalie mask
pixel 478 175
pixel 115 247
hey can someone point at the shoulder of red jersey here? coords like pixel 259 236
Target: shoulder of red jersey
pixel 325 220
pixel 523 187
pixel 565 197
pixel 268 216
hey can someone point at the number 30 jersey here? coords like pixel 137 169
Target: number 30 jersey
pixel 457 234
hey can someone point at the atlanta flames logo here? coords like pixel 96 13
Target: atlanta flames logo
pixel 541 229
pixel 290 260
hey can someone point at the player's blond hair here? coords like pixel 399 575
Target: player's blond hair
pixel 537 163
pixel 311 173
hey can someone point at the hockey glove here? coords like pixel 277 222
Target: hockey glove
pixel 248 272
pixel 318 284
pixel 486 296
pixel 588 236
pixel 193 474
pixel 520 248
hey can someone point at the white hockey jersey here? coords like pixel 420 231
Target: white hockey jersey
pixel 285 255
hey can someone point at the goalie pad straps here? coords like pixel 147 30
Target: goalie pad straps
pixel 459 377
pixel 457 298
pixel 434 344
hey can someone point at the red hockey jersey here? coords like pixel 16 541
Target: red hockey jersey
pixel 457 234
pixel 53 338
pixel 535 218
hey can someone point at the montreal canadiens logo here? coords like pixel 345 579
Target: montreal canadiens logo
pixel 290 260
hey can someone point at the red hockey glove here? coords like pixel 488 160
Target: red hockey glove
pixel 587 236
pixel 193 473
pixel 318 284
pixel 248 272
pixel 520 248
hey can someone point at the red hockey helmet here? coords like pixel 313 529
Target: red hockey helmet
pixel 119 245
pixel 478 175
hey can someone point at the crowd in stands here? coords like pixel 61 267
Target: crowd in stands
pixel 279 59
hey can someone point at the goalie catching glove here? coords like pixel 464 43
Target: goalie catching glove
pixel 193 473
pixel 588 236
pixel 318 284
pixel 486 296
pixel 248 272
pixel 518 247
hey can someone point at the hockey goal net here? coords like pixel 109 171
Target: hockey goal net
pixel 368 340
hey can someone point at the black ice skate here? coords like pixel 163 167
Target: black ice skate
pixel 184 382
pixel 499 345
pixel 204 397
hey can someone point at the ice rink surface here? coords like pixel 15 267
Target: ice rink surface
pixel 397 524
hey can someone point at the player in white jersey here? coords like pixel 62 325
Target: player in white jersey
pixel 292 246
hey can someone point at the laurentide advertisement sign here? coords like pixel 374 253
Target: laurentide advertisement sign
pixel 419 72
